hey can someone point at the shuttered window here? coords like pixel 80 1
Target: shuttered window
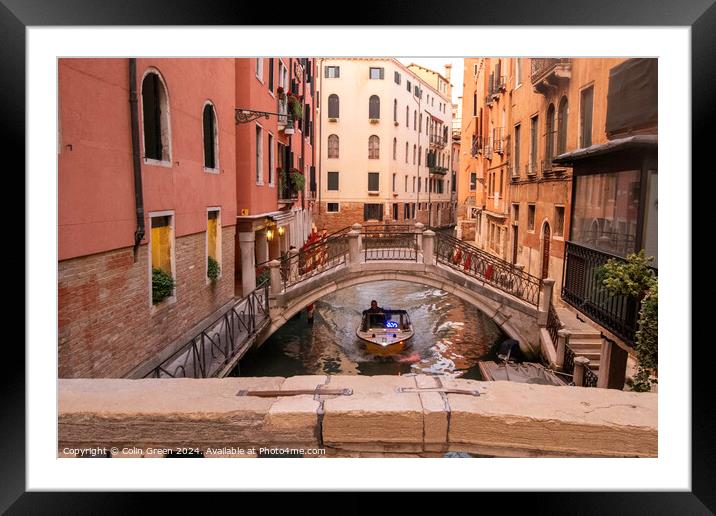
pixel 333 146
pixel 333 106
pixel 333 181
pixel 586 117
pixel 373 181
pixel 374 147
pixel 372 212
pixel 374 107
pixel 209 136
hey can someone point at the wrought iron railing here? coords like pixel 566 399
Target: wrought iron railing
pixel 313 259
pixel 583 289
pixel 553 324
pixel 590 378
pixel 401 246
pixel 568 364
pixel 487 268
pixel 207 353
pixel 541 67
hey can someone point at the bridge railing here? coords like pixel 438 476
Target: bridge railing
pixel 320 256
pixel 489 269
pixel 402 246
pixel 208 352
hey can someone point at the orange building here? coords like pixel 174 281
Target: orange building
pixel 147 175
pixel 274 213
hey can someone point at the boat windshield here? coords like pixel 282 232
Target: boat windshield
pixel 397 319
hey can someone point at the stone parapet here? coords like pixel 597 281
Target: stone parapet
pixel 372 417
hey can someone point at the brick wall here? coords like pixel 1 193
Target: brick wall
pixel 107 323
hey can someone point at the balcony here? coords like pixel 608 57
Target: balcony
pixel 287 194
pixel 498 140
pixel 547 74
pixel 438 170
pixel 583 290
pixel 282 110
pixel 531 169
pixel 437 140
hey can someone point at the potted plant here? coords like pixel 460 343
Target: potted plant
pixel 298 180
pixel 162 285
pixel 294 106
pixel 280 93
pixel 213 269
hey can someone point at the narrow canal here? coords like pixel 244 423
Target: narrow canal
pixel 450 336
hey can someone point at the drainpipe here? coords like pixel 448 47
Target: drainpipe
pixel 138 195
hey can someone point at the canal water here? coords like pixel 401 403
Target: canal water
pixel 450 336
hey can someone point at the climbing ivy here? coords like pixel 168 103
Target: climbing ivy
pixel 635 278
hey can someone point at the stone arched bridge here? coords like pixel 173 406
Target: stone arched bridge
pixel 518 302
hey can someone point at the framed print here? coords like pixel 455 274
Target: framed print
pixel 383 245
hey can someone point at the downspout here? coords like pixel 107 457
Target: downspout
pixel 319 92
pixel 137 166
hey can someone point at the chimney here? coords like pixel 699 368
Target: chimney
pixel 448 71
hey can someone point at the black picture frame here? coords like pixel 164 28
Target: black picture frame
pixel 700 15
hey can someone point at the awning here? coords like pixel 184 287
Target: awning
pixel 642 141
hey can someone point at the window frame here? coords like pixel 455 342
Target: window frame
pixel 219 243
pixel 338 207
pixel 377 175
pixel 172 235
pixel 216 169
pixel 166 163
pixel 338 180
pixel 259 154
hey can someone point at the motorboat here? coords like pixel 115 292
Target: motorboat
pixel 386 332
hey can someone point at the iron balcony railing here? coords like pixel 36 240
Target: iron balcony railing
pixel 589 379
pixel 540 68
pixel 553 324
pixel 209 353
pixel 487 268
pixel 438 140
pixel 582 288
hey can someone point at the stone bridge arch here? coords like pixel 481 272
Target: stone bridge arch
pixel 517 318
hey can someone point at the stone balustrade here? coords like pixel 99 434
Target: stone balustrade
pixel 505 420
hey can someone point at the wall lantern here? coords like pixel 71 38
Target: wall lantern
pixel 281 231
pixel 269 235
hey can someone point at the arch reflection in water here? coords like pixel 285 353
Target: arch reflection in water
pixel 450 336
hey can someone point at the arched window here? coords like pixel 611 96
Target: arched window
pixel 395 110
pixel 395 148
pixel 373 147
pixel 549 134
pixel 333 143
pixel 374 107
pixel 155 117
pixel 562 126
pixel 210 136
pixel 333 106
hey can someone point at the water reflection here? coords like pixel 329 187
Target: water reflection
pixel 450 336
